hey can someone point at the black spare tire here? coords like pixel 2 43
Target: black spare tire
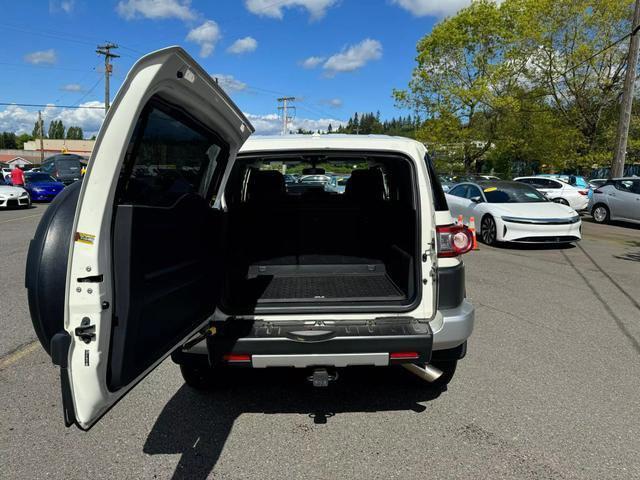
pixel 46 274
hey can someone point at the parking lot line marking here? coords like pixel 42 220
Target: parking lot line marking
pixel 16 355
pixel 20 218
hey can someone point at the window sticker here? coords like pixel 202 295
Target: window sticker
pixel 85 238
pixel 491 189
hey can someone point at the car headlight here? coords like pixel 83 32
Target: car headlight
pixel 24 194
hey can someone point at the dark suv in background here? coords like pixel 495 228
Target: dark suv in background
pixel 65 167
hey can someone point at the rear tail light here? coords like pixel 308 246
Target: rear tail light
pixel 453 240
pixel 583 192
pixel 237 358
pixel 403 356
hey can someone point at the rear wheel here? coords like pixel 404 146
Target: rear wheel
pixel 600 213
pixel 488 230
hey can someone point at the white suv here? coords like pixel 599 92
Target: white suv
pixel 183 239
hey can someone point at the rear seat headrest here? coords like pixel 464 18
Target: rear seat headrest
pixel 365 185
pixel 265 185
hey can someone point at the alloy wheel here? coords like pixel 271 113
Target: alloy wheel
pixel 488 230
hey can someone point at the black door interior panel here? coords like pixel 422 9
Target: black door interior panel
pixel 164 280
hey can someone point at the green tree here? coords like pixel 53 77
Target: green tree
pixel 56 129
pixel 35 133
pixel 22 138
pixel 75 133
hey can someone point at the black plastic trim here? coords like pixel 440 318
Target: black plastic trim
pixel 59 348
pixel 450 286
pixel 272 338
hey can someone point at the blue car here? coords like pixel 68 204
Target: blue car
pixel 41 186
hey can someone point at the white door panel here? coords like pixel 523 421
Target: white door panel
pixel 173 77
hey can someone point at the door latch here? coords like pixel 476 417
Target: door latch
pixel 86 331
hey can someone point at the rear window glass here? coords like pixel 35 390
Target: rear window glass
pixel 168 158
pixel 67 164
pixel 439 200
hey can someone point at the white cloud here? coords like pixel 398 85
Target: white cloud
pixel 312 62
pixel 434 8
pixel 353 57
pixel 268 8
pixel 20 120
pixel 332 102
pixel 271 124
pixel 72 87
pixel 156 9
pixel 229 83
pixel 67 6
pixel 42 56
pixel 206 35
pixel 243 45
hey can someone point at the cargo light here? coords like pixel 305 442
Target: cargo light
pixel 453 240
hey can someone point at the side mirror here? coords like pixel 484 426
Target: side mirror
pixel 476 199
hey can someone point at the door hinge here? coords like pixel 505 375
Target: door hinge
pixel 429 251
pixel 86 331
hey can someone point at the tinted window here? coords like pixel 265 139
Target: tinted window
pixel 512 193
pixel 459 191
pixel 439 200
pixel 473 191
pixel 39 177
pixel 169 157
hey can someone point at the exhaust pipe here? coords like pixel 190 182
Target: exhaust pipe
pixel 428 373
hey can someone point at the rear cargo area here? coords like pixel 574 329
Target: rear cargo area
pixel 296 245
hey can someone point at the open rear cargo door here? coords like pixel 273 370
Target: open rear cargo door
pixel 142 267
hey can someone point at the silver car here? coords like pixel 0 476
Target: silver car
pixel 617 199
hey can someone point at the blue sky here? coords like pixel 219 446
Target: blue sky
pixel 337 56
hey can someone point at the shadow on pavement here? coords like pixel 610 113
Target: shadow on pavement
pixel 633 256
pixel 532 246
pixel 196 424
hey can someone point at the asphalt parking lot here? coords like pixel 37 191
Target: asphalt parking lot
pixel 549 389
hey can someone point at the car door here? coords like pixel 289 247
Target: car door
pixel 623 199
pixel 143 267
pixel 474 198
pixel 456 199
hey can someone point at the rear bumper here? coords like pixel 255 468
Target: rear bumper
pixel 453 326
pixel 268 344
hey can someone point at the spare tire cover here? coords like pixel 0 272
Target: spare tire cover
pixel 46 275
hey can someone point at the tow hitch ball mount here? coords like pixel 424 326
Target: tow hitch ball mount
pixel 321 377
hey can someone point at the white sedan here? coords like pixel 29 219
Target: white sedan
pixel 558 191
pixel 513 212
pixel 14 197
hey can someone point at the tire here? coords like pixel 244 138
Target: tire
pixel 488 230
pixel 600 213
pixel 199 377
pixel 561 201
pixel 448 370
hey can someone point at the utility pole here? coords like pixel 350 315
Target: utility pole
pixel 285 113
pixel 106 51
pixel 617 168
pixel 41 137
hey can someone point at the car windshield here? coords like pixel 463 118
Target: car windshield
pixel 39 177
pixel 512 192
pixel 68 165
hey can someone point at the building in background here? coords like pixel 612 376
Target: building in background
pixel 31 153
pixel 54 146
